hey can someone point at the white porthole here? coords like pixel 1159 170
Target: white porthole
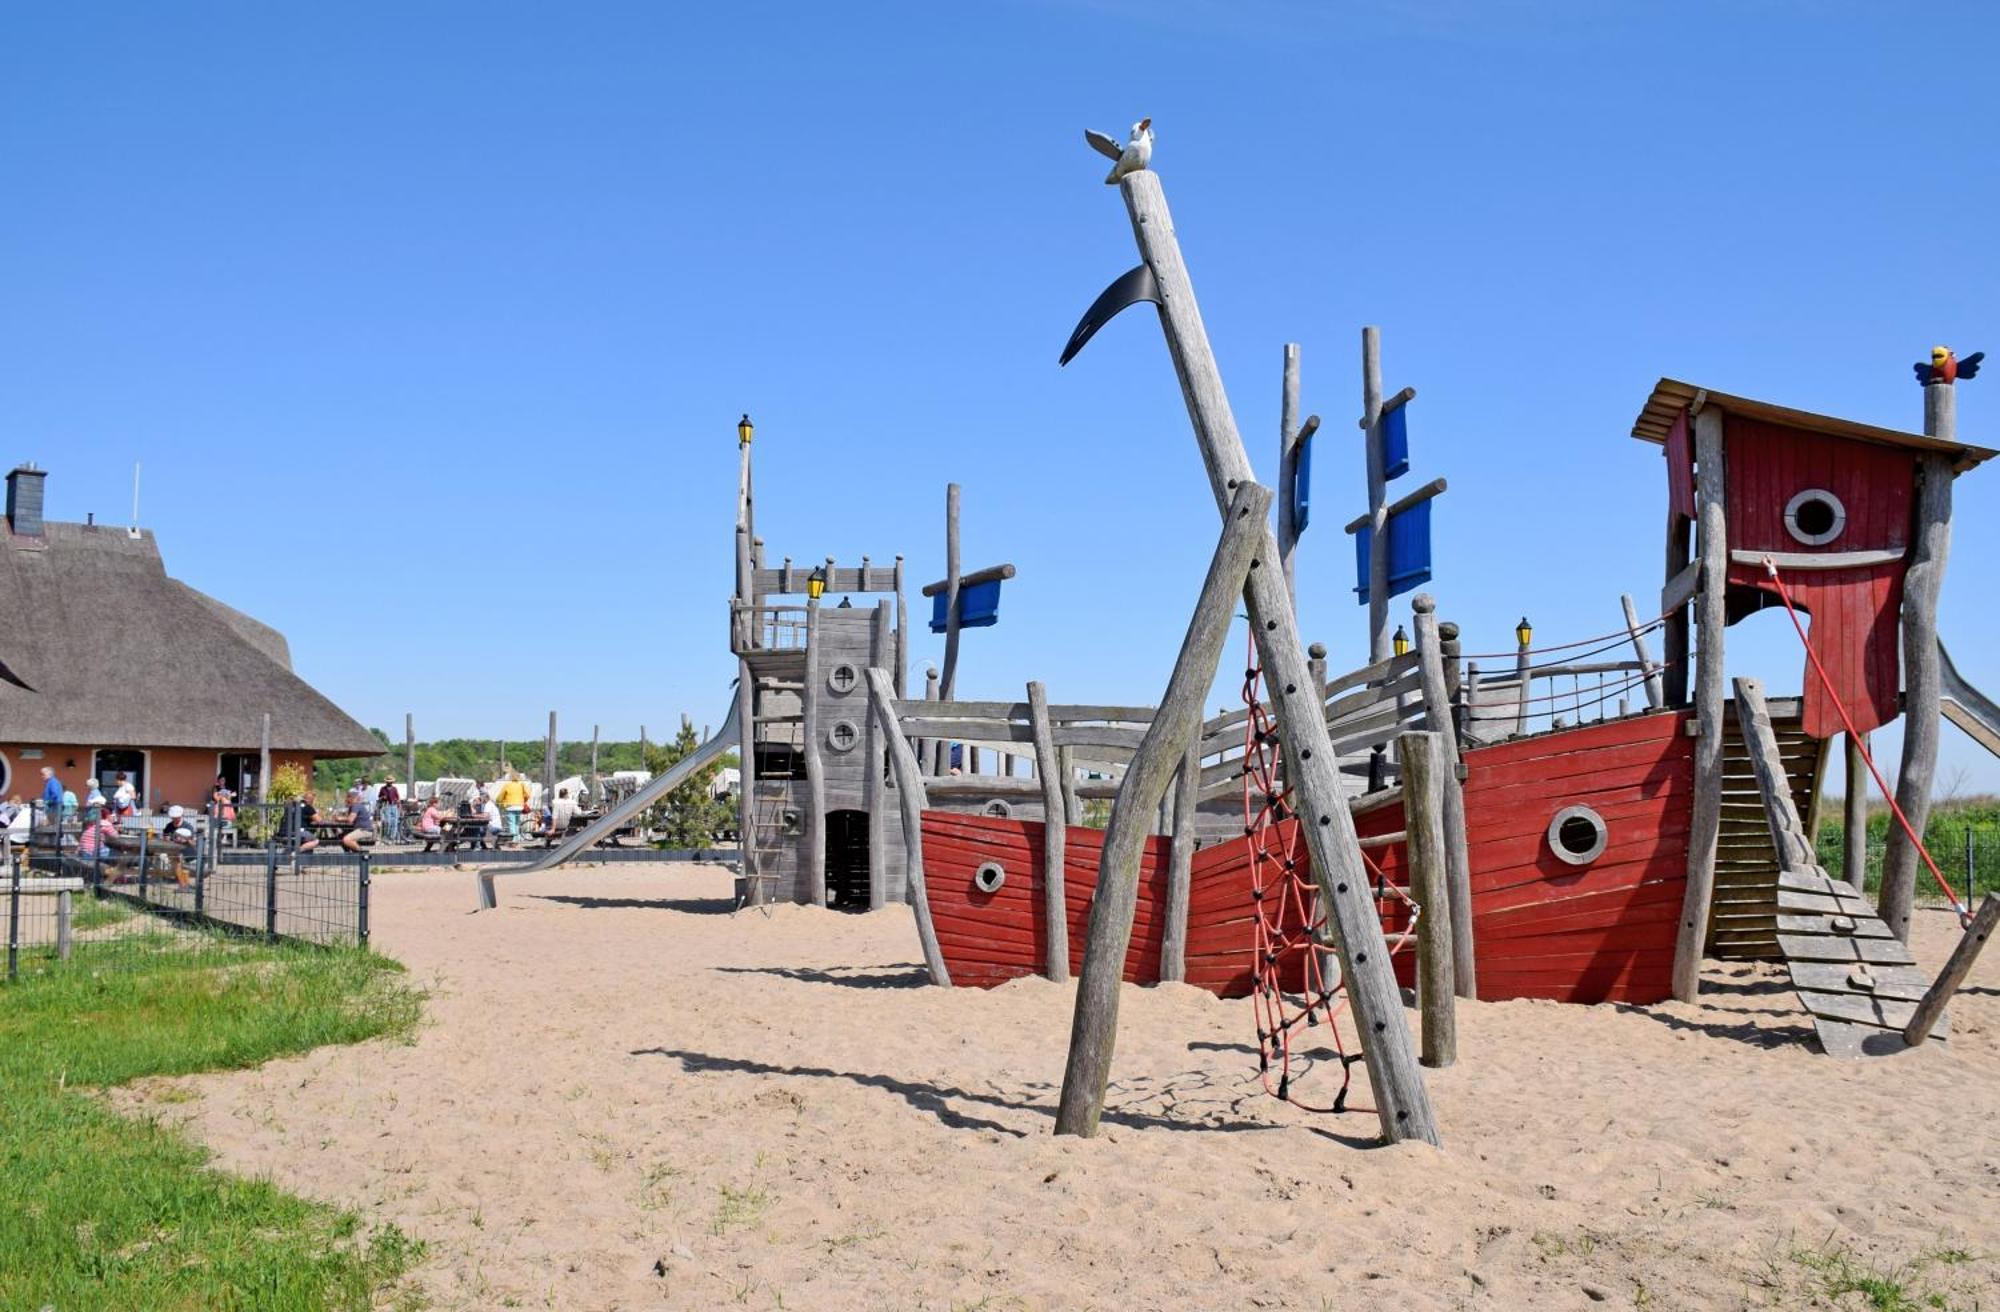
pixel 989 876
pixel 998 809
pixel 1815 517
pixel 843 677
pixel 1577 835
pixel 841 736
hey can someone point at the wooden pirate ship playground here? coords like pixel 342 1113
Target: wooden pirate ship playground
pixel 1582 821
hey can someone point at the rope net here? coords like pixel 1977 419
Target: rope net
pixel 1297 976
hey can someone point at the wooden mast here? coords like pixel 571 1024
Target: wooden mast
pixel 1705 828
pixel 1288 471
pixel 1457 850
pixel 1048 773
pixel 1395 1081
pixel 1378 495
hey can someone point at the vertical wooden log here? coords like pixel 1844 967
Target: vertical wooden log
pixel 902 634
pixel 950 682
pixel 549 768
pixel 1378 495
pixel 939 750
pixel 1055 912
pixel 1854 815
pixel 1426 765
pixel 1706 826
pixel 1094 1033
pixel 1072 804
pixel 813 846
pixel 410 756
pixel 593 756
pixel 882 647
pixel 1656 696
pixel 1288 471
pixel 1457 903
pixel 1922 678
pixel 912 800
pixel 1395 1080
pixel 1524 678
pixel 264 761
pixel 1925 1018
pixel 1180 862
pixel 1674 632
pixel 746 789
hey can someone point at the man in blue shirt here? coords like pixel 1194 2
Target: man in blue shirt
pixel 52 791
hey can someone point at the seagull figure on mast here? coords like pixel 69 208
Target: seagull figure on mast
pixel 1134 155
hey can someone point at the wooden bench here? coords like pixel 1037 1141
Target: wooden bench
pixel 60 887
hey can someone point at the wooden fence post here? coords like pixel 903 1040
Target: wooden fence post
pixel 1395 1080
pixel 912 801
pixel 1426 765
pixel 1176 723
pixel 1180 862
pixel 1055 906
pixel 1706 825
pixel 1438 718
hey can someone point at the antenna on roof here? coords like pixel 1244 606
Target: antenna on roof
pixel 134 530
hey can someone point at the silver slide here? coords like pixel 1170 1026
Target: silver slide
pixel 620 815
pixel 1966 706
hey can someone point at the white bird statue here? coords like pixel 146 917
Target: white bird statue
pixel 1134 155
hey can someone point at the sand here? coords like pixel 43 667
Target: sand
pixel 625 1097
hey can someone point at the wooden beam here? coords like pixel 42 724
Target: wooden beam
pixel 1094 1032
pixel 1425 768
pixel 1681 587
pixel 1180 867
pixel 1922 677
pixel 1810 560
pixel 1048 774
pixel 882 645
pixel 1395 1081
pixel 746 789
pixel 1710 617
pixel 1854 814
pixel 1378 493
pixel 812 850
pixel 910 798
pixel 1414 497
pixel 988 575
pixel 1955 970
pixel 1674 632
pixel 902 669
pixel 1789 840
pixel 1457 902
pixel 1655 693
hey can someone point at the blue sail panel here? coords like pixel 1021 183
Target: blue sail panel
pixel 978 607
pixel 1396 442
pixel 1409 552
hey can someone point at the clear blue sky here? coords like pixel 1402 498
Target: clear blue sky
pixel 407 305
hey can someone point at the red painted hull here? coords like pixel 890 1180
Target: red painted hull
pixel 1543 928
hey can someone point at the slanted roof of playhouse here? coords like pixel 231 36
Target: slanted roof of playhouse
pixel 1671 396
pixel 99 645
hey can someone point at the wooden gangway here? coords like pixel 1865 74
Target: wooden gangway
pixel 1853 976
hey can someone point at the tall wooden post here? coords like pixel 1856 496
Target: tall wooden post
pixel 1710 616
pixel 1175 724
pixel 1655 692
pixel 881 647
pixel 1072 803
pixel 949 684
pixel 593 756
pixel 1457 886
pixel 1923 581
pixel 1524 677
pixel 902 653
pixel 746 786
pixel 1674 632
pixel 937 750
pixel 1426 766
pixel 1288 471
pixel 813 849
pixel 1854 815
pixel 912 799
pixel 1378 495
pixel 1395 1081
pixel 264 761
pixel 1180 862
pixel 549 769
pixel 410 756
pixel 1055 905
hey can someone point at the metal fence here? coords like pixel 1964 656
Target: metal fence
pixel 81 892
pixel 1968 856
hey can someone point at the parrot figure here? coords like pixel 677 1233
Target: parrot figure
pixel 1944 367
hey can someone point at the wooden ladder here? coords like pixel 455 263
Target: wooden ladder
pixel 1860 985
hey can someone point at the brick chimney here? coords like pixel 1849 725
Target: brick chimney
pixel 24 500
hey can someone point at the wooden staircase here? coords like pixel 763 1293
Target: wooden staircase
pixel 1860 985
pixel 1743 922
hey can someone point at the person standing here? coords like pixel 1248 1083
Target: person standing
pixel 52 795
pixel 125 798
pixel 93 795
pixel 513 800
pixel 389 810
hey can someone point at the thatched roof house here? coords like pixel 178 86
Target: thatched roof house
pixel 103 655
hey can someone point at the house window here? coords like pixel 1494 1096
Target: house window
pixel 1815 517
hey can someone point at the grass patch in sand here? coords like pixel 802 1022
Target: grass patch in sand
pixel 98 1210
pixel 96 913
pixel 1838 1272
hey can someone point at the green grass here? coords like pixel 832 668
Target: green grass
pixel 1906 1288
pixel 103 1211
pixel 1944 834
pixel 96 914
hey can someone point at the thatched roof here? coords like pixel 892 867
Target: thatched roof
pixel 99 647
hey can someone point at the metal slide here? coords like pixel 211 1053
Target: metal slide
pixel 621 815
pixel 1966 706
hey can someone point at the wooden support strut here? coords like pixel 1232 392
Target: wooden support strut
pixel 1378 495
pixel 813 849
pixel 1854 814
pixel 1048 769
pixel 1426 766
pixel 1457 902
pixel 1655 691
pixel 1288 470
pixel 949 681
pixel 1095 1031
pixel 1922 679
pixel 1984 921
pixel 1395 1080
pixel 1706 825
pixel 1180 865
pixel 912 802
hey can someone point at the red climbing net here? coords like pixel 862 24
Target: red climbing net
pixel 1297 979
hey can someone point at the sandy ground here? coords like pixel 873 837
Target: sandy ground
pixel 625 1097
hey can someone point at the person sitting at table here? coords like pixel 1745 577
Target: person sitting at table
pixel 363 832
pixel 177 843
pixel 490 812
pixel 98 843
pixel 297 826
pixel 431 823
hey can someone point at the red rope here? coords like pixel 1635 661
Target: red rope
pixel 1853 736
pixel 1288 923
